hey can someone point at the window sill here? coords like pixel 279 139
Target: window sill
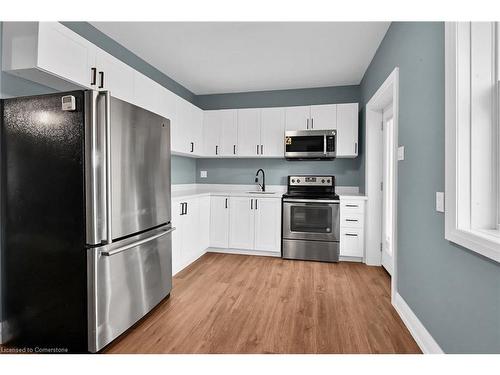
pixel 483 242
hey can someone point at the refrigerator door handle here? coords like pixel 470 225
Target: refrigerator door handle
pixel 107 119
pixel 135 244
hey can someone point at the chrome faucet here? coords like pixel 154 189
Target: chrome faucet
pixel 263 185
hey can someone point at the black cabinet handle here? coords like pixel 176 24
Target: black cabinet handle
pixel 216 150
pixel 101 77
pixel 262 149
pixel 356 147
pixel 251 204
pixel 182 208
pixel 192 146
pixel 257 149
pixel 351 234
pixel 226 202
pixel 354 220
pixel 351 205
pixel 256 206
pixel 234 149
pixel 93 77
pixel 186 208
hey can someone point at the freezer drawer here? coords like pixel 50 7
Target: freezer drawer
pixel 125 281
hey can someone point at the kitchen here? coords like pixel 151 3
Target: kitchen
pixel 231 215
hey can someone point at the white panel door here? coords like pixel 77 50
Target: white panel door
pixel 211 132
pixel 351 242
pixel 297 118
pixel 115 76
pixel 65 54
pixel 181 131
pixel 241 223
pixel 272 132
pixel 229 132
pixel 249 139
pixel 204 224
pixel 347 130
pixel 219 221
pixel 268 225
pixel 190 240
pixel 323 117
pixel 177 236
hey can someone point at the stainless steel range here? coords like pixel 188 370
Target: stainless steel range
pixel 311 219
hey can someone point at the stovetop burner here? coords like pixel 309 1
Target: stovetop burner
pixel 311 187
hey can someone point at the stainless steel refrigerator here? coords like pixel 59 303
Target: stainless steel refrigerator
pixel 86 232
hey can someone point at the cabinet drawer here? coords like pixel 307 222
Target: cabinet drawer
pixel 351 206
pixel 351 220
pixel 351 242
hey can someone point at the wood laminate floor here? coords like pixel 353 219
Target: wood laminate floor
pixel 226 303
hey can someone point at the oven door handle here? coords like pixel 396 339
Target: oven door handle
pixel 287 200
pixel 324 144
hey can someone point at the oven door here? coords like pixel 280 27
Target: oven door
pixel 305 219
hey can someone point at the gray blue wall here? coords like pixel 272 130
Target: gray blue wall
pixel 183 170
pixel 454 292
pixel 242 171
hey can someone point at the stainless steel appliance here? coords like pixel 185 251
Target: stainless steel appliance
pixel 311 219
pixel 311 144
pixel 86 213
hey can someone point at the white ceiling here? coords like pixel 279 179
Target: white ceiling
pixel 223 57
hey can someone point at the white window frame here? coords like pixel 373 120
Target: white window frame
pixel 459 142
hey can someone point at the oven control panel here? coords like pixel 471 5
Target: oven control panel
pixel 310 181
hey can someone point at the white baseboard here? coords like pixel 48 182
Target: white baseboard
pixel 423 338
pixel 244 252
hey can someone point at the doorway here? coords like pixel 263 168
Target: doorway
pixel 388 198
pixel 381 179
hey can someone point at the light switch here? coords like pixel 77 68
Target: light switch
pixel 203 174
pixel 401 153
pixel 439 201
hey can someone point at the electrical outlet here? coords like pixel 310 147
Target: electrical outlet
pixel 439 201
pixel 401 153
pixel 203 174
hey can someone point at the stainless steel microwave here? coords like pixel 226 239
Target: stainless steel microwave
pixel 311 144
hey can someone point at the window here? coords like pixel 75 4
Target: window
pixel 472 168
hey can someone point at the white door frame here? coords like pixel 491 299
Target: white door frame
pixel 388 92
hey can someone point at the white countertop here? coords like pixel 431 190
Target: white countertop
pixel 272 191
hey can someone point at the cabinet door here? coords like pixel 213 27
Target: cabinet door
pixel 181 128
pixel 323 117
pixel 211 132
pixel 268 224
pixel 351 242
pixel 241 223
pixel 115 76
pixel 147 93
pixel 65 54
pixel 272 132
pixel 229 132
pixel 190 240
pixel 219 222
pixel 248 132
pixel 195 136
pixel 204 224
pixel 347 130
pixel 177 236
pixel 297 118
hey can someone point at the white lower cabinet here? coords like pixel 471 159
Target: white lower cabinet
pixel 254 224
pixel 219 222
pixel 241 223
pixel 191 237
pixel 352 238
pixel 268 225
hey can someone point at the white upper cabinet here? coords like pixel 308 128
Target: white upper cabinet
pixel 323 117
pixel 147 93
pixel 272 132
pixel 249 132
pixel 297 118
pixel 48 53
pixel 347 130
pixel 113 75
pixel 220 132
